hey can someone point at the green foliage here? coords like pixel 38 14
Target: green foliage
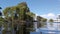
pixel 39 18
pixel 31 14
pixel 1 21
pixel 18 14
pixel 51 20
pixel 44 20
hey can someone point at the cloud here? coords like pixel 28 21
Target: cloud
pixel 49 16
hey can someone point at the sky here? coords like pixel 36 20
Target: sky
pixel 44 8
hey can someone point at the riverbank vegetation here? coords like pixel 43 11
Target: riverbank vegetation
pixel 19 19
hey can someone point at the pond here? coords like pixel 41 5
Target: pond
pixel 54 29
pixel 46 31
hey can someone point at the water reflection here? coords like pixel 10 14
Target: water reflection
pixel 49 29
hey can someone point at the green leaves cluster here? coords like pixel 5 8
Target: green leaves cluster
pixel 39 18
pixel 42 21
pixel 18 13
pixel 51 20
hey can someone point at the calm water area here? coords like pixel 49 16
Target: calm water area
pixel 54 29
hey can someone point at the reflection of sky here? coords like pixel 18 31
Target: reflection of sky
pixel 55 28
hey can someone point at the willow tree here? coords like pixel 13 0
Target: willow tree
pixel 19 15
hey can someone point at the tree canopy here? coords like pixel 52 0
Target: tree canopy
pixel 51 20
pixel 18 15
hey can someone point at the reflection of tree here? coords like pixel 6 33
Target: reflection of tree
pixel 51 21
